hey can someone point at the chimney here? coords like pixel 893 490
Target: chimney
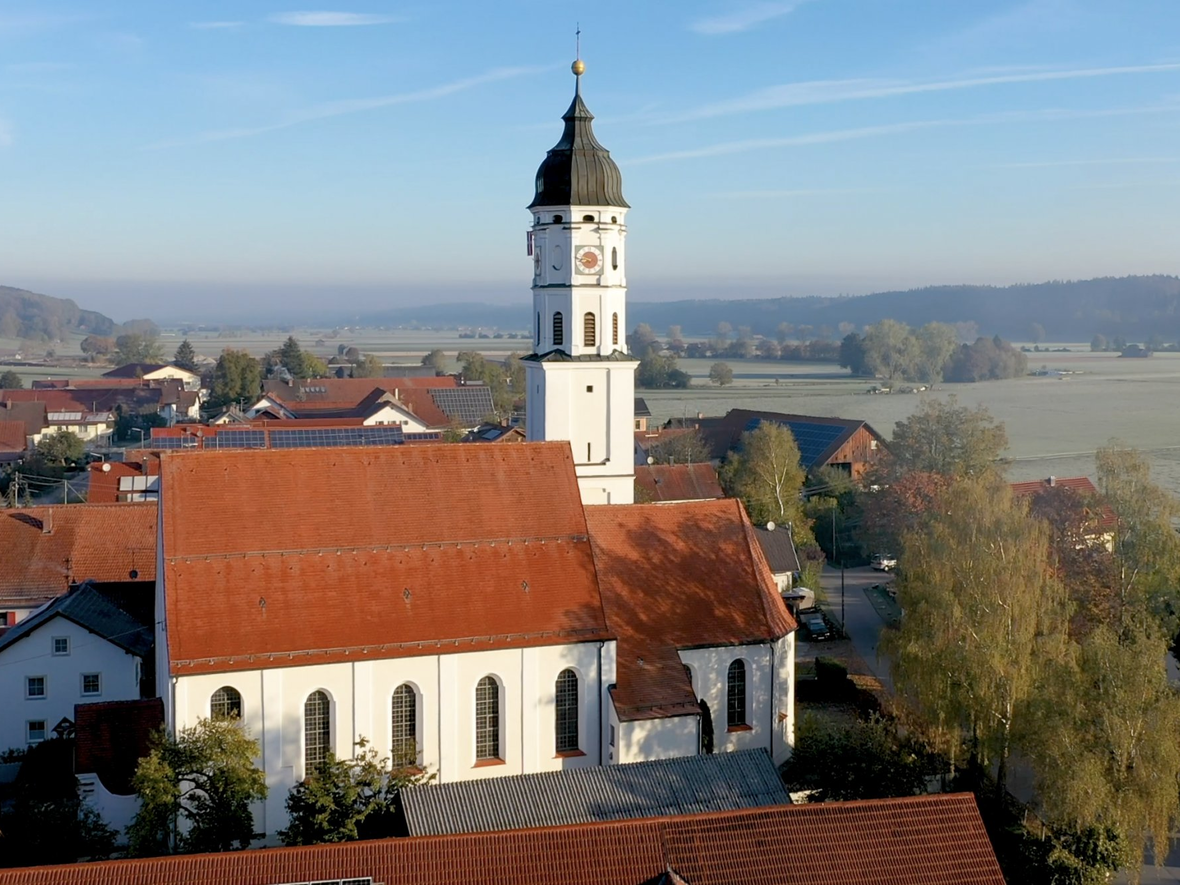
pixel 1052 481
pixel 47 522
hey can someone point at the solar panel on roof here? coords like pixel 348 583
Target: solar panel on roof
pixel 171 442
pixel 320 437
pixel 237 439
pixel 468 405
pixel 813 439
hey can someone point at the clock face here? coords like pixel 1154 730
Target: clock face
pixel 589 259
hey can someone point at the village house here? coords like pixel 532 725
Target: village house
pixel 156 372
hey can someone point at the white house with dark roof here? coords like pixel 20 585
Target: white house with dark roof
pixel 80 648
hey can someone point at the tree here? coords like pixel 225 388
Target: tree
pixel 891 508
pixel 136 348
pixel 347 799
pixel 766 474
pixel 852 355
pixel 204 778
pixel 237 376
pixel 313 366
pixel 290 357
pixel 864 759
pixel 369 366
pixel 984 617
pixel 1146 548
pixel 1104 747
pixel 60 448
pixel 9 380
pixel 658 370
pixel 97 345
pixel 944 437
pixel 437 360
pixel 936 343
pixel 642 340
pixel 890 350
pixel 352 354
pixel 185 357
pixel 721 374
pixel 688 447
pixel 1098 343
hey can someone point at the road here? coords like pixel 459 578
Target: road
pixel 863 624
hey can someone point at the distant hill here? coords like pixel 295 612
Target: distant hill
pixel 1136 308
pixel 26 314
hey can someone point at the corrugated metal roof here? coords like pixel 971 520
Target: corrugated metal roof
pixel 688 785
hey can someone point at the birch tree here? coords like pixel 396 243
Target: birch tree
pixel 767 475
pixel 983 615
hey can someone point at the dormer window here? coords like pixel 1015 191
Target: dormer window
pixel 557 219
pixel 587 217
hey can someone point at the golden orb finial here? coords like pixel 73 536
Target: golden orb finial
pixel 578 67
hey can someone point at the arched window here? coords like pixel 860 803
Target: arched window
pixel 736 695
pixel 614 328
pixel 404 744
pixel 614 257
pixel 317 731
pixel 537 331
pixel 587 217
pixel 589 332
pixel 226 703
pixel 614 219
pixel 487 719
pixel 567 711
pixel 558 329
pixel 557 219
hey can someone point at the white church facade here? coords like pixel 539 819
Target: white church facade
pixel 476 610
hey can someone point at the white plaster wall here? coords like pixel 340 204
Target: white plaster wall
pixel 710 671
pixel 408 421
pixel 645 739
pixel 117 811
pixel 601 418
pixel 33 656
pixel 361 693
pixel 783 743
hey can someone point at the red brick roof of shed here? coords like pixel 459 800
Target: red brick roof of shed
pixel 112 737
pixel 677 576
pixel 98 542
pixel 432 548
pixel 920 840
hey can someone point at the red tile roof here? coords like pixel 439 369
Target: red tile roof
pixel 12 435
pixel 437 547
pixel 112 737
pixel 921 840
pixel 99 542
pixel 1106 518
pixel 678 482
pixel 679 576
pixel 103 486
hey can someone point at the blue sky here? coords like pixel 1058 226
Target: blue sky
pixel 186 159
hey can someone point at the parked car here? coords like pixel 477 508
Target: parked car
pixel 816 625
pixel 884 562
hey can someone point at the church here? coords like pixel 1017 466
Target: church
pixel 479 611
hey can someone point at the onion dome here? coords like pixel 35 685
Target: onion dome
pixel 578 171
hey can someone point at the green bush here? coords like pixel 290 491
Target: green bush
pixel 830 672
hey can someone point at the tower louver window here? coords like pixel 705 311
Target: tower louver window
pixel 558 329
pixel 614 329
pixel 589 331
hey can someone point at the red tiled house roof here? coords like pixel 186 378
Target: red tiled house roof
pixel 679 576
pixel 1106 518
pixel 482 558
pixel 45 549
pixel 678 482
pixel 920 840
pixel 12 436
pixel 350 389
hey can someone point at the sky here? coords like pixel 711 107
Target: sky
pixel 198 159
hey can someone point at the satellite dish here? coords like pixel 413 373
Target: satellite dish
pixel 770 526
pixel 106 467
pixel 650 460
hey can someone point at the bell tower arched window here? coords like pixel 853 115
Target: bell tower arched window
pixel 614 257
pixel 735 713
pixel 567 711
pixel 558 329
pixel 589 331
pixel 614 329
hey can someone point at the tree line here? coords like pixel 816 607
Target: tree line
pixel 932 353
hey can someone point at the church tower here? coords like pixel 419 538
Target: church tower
pixel 581 381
